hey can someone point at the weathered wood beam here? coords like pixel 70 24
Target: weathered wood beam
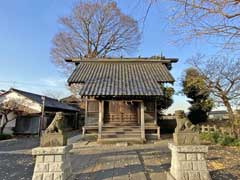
pixel 100 119
pixel 142 121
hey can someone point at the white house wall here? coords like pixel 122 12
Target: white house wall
pixel 21 100
pixel 10 125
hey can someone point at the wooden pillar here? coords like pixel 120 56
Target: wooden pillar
pixel 100 119
pixel 142 121
pixel 86 110
pixel 155 111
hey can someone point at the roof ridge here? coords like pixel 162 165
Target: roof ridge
pixel 136 59
pixel 19 90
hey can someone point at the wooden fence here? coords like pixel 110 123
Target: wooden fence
pixel 214 128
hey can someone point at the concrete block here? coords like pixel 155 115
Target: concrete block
pixel 49 158
pixel 204 175
pixel 186 165
pixel 60 158
pixel 48 176
pixel 188 148
pixel 39 159
pixel 193 175
pixel 41 167
pixel 181 156
pixel 191 156
pixel 37 176
pixel 182 176
pixel 195 165
pixel 202 165
pixel 51 150
pixel 56 167
pixel 201 156
pixel 59 176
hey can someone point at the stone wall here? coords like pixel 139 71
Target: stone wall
pixel 52 163
pixel 188 162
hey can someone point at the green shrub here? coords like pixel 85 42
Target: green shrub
pixel 5 136
pixel 215 136
pixel 205 136
pixel 225 140
pixel 218 138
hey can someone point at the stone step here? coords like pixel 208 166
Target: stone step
pixel 120 124
pixel 121 129
pixel 118 140
pixel 121 136
pixel 120 133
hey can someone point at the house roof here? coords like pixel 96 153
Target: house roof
pixel 50 103
pixel 219 112
pixel 121 77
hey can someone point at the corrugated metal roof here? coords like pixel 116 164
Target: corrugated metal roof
pixel 49 102
pixel 121 78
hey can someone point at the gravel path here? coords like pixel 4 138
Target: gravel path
pixel 94 161
pixel 16 161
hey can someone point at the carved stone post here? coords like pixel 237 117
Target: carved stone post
pixel 52 157
pixel 188 156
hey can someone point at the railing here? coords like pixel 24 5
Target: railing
pixel 120 117
pixel 214 128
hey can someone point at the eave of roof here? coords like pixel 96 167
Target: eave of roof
pixel 121 77
pixel 127 59
pixel 50 103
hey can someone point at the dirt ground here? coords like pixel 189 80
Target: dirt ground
pixel 149 160
pixel 224 162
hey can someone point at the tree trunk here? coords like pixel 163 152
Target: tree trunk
pixel 4 124
pixel 230 113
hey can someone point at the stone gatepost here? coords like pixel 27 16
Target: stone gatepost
pixel 188 163
pixel 188 156
pixel 52 163
pixel 52 157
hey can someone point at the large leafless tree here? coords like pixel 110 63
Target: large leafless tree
pixel 218 21
pixel 94 29
pixel 222 77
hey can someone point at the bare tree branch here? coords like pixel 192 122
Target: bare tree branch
pixel 222 76
pixel 94 29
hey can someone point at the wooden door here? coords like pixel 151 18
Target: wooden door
pixel 120 112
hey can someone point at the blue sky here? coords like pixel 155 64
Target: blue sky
pixel 27 28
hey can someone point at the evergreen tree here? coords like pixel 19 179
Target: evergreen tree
pixel 194 87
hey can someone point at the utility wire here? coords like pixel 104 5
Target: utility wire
pixel 29 84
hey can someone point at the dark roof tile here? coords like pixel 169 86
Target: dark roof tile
pixel 116 78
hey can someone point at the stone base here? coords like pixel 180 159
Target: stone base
pixel 188 163
pixel 52 163
pixel 169 176
pixel 186 138
pixel 53 139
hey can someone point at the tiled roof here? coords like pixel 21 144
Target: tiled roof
pixel 50 103
pixel 121 78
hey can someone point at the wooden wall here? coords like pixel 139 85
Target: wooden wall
pixel 92 112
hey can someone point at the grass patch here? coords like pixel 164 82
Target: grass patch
pixel 5 136
pixel 218 138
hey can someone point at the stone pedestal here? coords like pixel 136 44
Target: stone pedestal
pixel 53 139
pixel 188 162
pixel 191 138
pixel 52 163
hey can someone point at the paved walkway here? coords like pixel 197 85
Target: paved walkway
pixel 140 162
pixel 94 161
pixel 16 161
